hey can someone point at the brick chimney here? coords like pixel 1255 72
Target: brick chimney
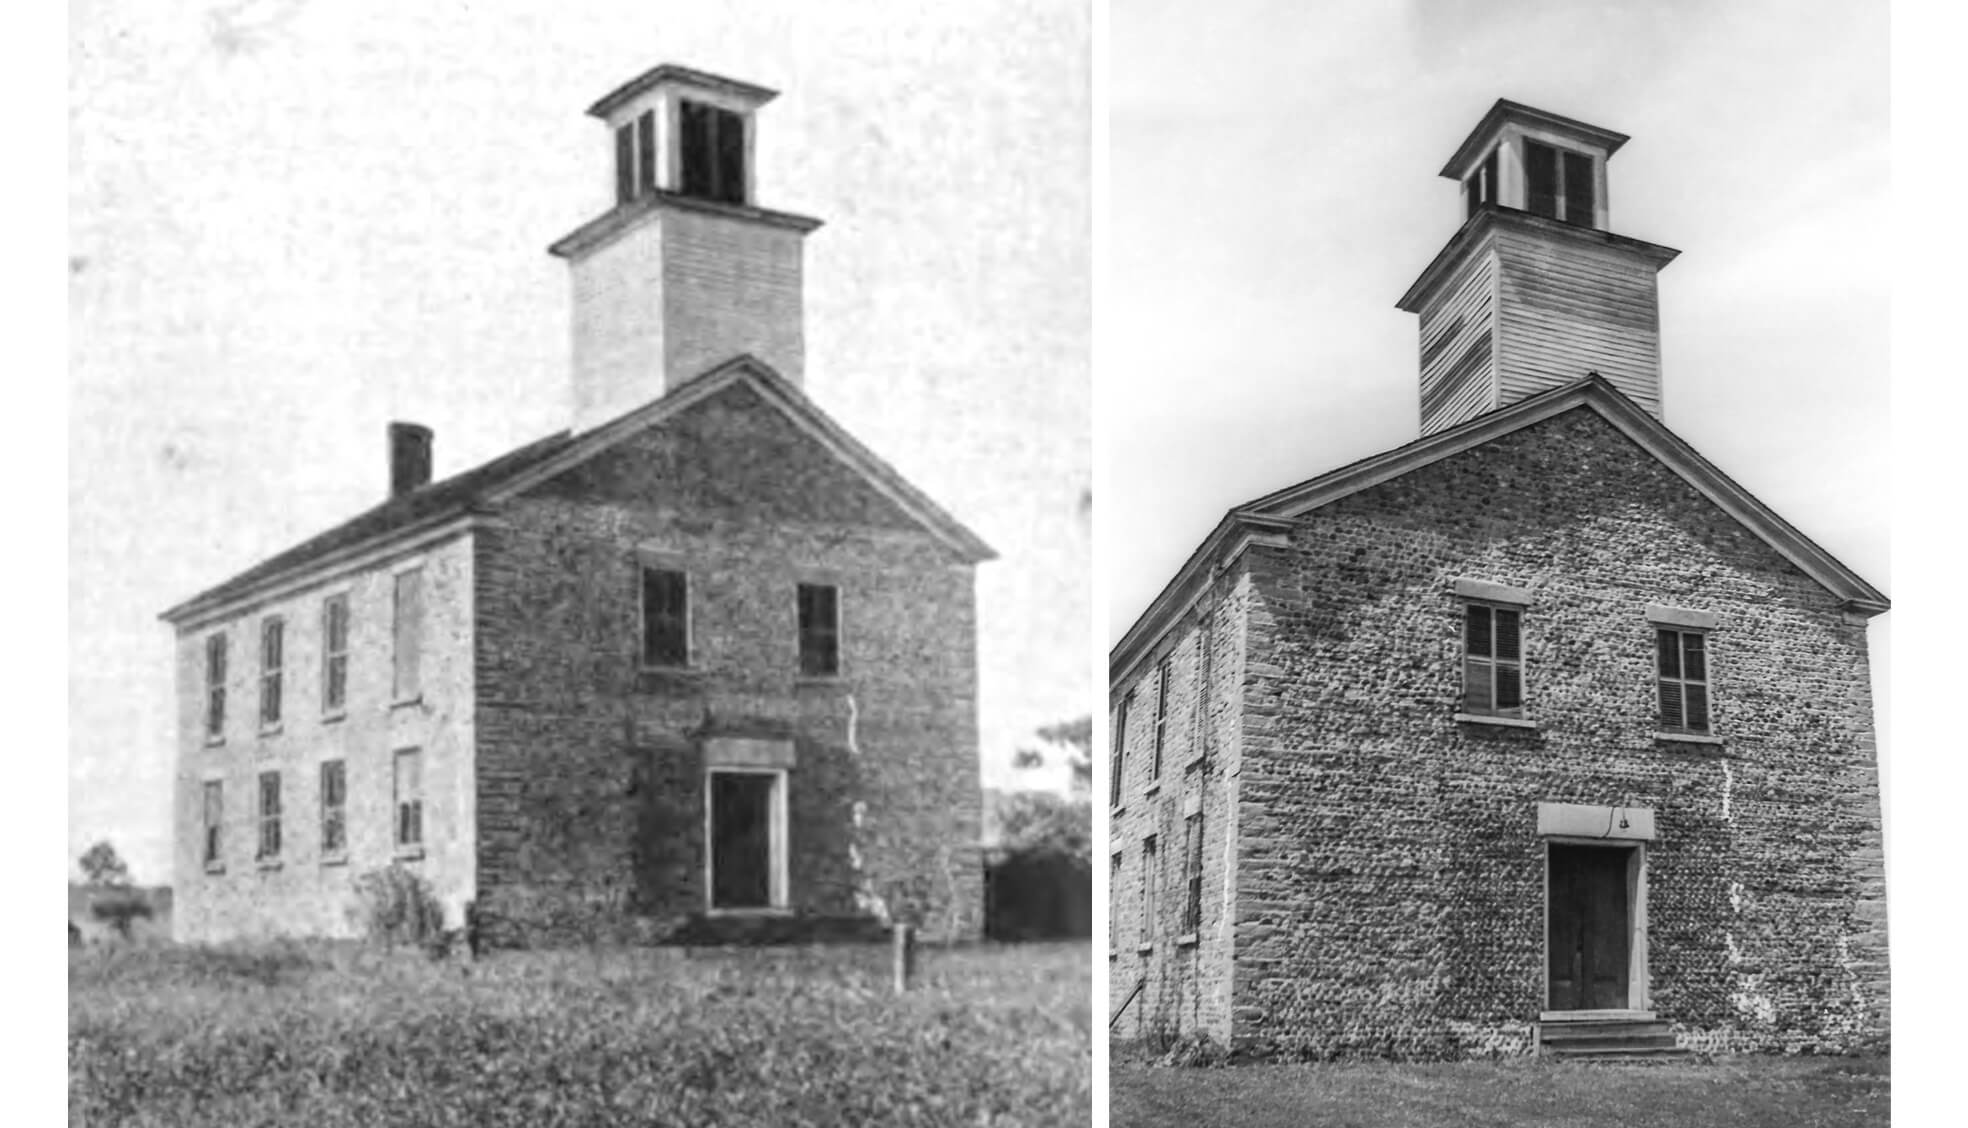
pixel 409 457
pixel 685 271
pixel 1535 291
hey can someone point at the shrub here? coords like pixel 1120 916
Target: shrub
pixel 395 906
pixel 121 909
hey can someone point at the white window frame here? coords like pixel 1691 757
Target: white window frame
pixel 643 568
pixel 776 849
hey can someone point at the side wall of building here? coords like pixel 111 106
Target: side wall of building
pixel 1182 973
pixel 592 769
pixel 303 890
pixel 1392 891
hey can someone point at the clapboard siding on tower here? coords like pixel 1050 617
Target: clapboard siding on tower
pixel 1565 311
pixel 1458 348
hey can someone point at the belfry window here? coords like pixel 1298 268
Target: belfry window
pixel 1558 184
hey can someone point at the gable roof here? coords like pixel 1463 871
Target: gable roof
pixel 483 487
pixel 1267 520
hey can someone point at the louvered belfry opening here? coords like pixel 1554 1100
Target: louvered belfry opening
pixel 1534 290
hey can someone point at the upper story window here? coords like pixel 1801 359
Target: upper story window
pixel 1493 661
pixel 1161 717
pixel 1119 758
pixel 1481 187
pixel 665 618
pixel 1683 680
pixel 273 634
pixel 713 152
pixel 215 686
pixel 1558 183
pixel 1192 874
pixel 819 630
pixel 1150 880
pixel 407 635
pixel 334 653
pixel 635 158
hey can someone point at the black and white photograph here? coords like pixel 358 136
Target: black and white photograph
pixel 1495 531
pixel 579 564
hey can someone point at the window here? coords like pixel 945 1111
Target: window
pixel 409 791
pixel 1161 717
pixel 1683 680
pixel 635 158
pixel 713 153
pixel 215 686
pixel 1481 187
pixel 819 630
pixel 1192 903
pixel 1113 898
pixel 272 641
pixel 1493 661
pixel 334 653
pixel 1150 879
pixel 334 808
pixel 269 816
pixel 214 824
pixel 408 635
pixel 1558 183
pixel 1119 759
pixel 665 618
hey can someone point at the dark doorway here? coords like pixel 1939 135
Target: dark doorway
pixel 741 840
pixel 1589 944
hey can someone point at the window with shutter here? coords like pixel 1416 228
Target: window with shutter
pixel 214 824
pixel 334 654
pixel 1150 880
pixel 1161 717
pixel 1682 679
pixel 1113 899
pixel 269 816
pixel 1192 904
pixel 407 680
pixel 409 800
pixel 215 687
pixel 334 809
pixel 273 633
pixel 1119 756
pixel 1493 661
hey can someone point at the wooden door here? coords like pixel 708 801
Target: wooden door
pixel 741 840
pixel 1590 938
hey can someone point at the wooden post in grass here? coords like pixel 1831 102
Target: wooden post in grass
pixel 905 956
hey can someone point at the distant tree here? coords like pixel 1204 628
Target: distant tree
pixel 1076 736
pixel 1040 822
pixel 1026 758
pixel 102 865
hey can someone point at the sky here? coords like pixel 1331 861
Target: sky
pixel 1274 190
pixel 291 222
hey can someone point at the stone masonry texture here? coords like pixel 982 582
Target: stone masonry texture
pixel 1387 895
pixel 563 785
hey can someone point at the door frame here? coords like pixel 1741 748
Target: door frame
pixel 1637 1000
pixel 776 847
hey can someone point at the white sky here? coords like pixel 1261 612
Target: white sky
pixel 1274 191
pixel 294 222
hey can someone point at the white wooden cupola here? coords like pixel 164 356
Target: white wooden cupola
pixel 1535 291
pixel 685 270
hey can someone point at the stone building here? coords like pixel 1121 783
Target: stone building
pixel 1535 734
pixel 701 661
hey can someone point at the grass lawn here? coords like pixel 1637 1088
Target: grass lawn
pixel 1779 1092
pixel 325 1036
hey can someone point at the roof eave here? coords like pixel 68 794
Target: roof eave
pixel 1472 145
pixel 683 76
pixel 1492 216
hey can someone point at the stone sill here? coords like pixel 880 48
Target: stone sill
pixel 1596 1016
pixel 1195 761
pixel 215 867
pixel 271 730
pixel 215 741
pixel 1116 812
pixel 1503 722
pixel 774 911
pixel 1153 790
pixel 1186 940
pixel 1689 738
pixel 406 702
pixel 1144 949
pixel 409 853
pixel 267 863
pixel 336 717
pixel 819 681
pixel 334 859
pixel 1113 954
